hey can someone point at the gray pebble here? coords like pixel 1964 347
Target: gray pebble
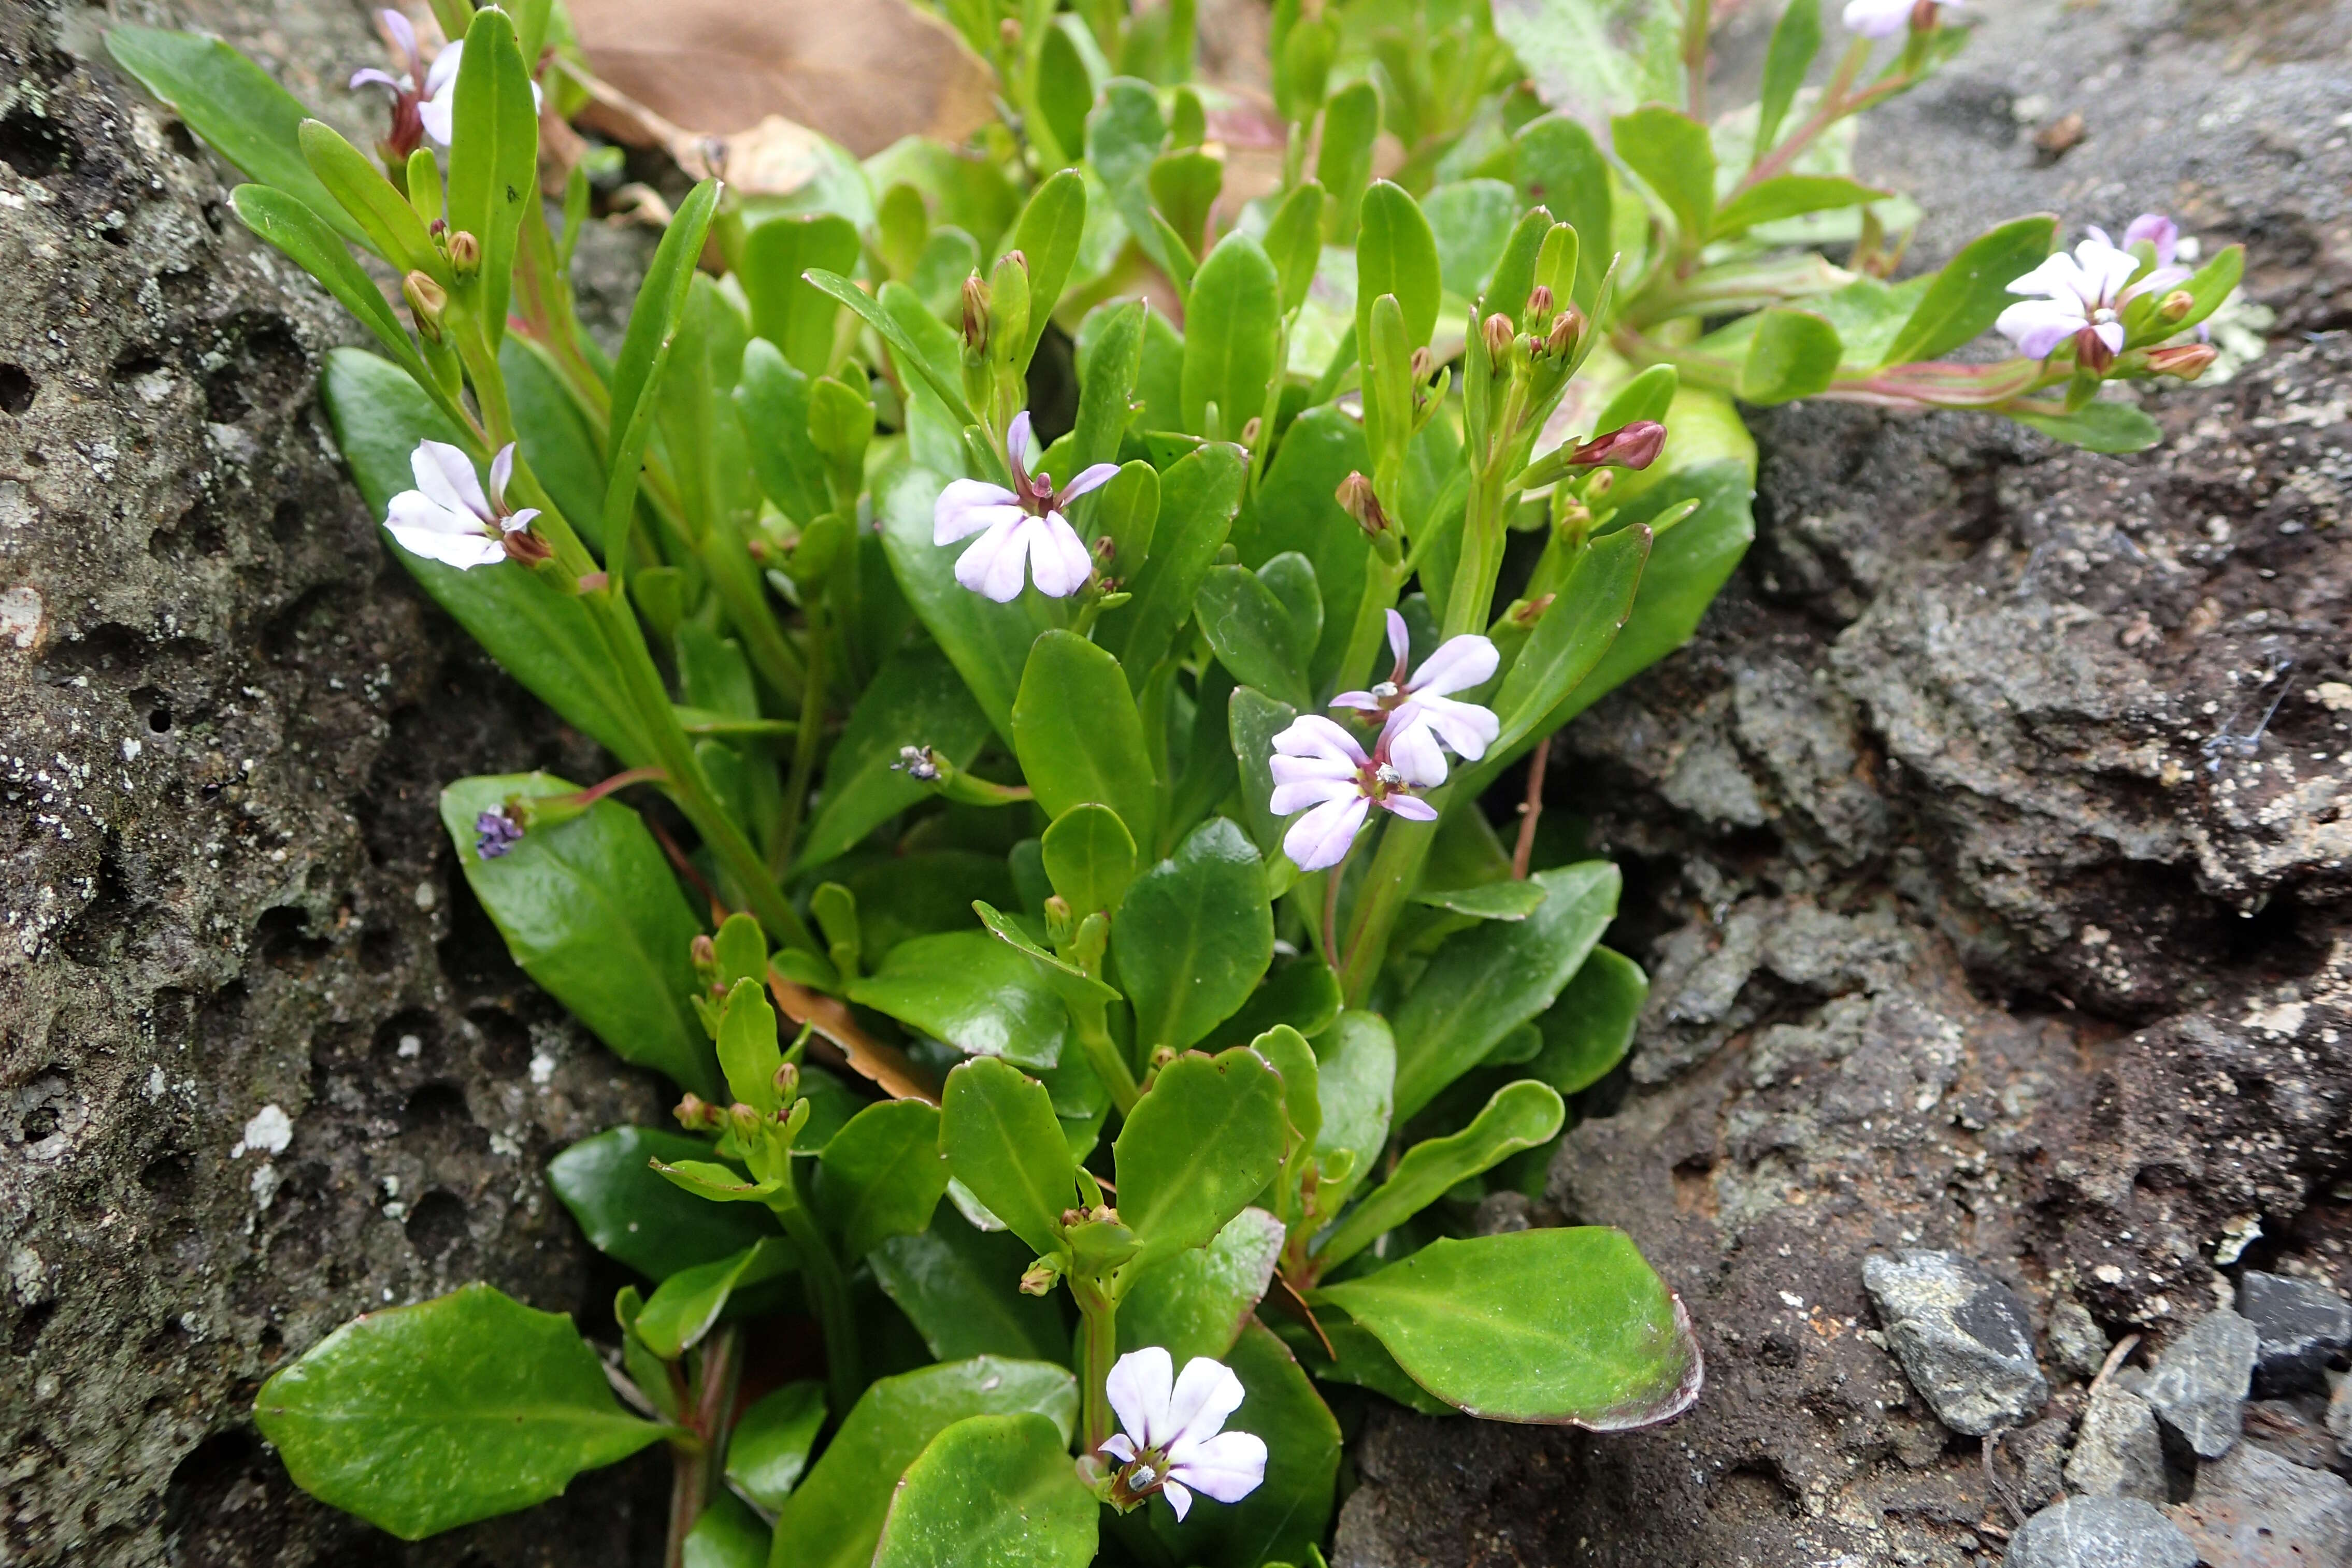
pixel 2075 1339
pixel 2118 1452
pixel 1962 1336
pixel 2100 1533
pixel 2301 1325
pixel 2198 1386
pixel 2255 1509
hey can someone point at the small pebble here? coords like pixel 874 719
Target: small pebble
pixel 2198 1386
pixel 2100 1533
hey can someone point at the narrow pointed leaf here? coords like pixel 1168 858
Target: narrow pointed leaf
pixel 687 1305
pixel 1519 1116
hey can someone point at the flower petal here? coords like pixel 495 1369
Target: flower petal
pixel 1411 808
pixel 1400 638
pixel 1466 727
pixel 1312 734
pixel 1057 561
pixel 372 77
pixel 993 561
pixel 1137 1386
pixel 501 471
pixel 1878 18
pixel 2056 278
pixel 2159 231
pixel 1206 1392
pixel 1093 478
pixel 462 550
pixel 439 115
pixel 967 506
pixel 1298 794
pixel 1464 662
pixel 1287 770
pixel 447 474
pixel 520 521
pixel 1020 443
pixel 1119 1447
pixel 1178 1499
pixel 444 73
pixel 416 509
pixel 2038 325
pixel 2111 333
pixel 1364 700
pixel 1413 748
pixel 1228 1467
pixel 1319 840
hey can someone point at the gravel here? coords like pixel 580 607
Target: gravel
pixel 1963 1338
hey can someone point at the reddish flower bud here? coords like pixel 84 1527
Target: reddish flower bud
pixel 1423 365
pixel 1634 446
pixel 2091 351
pixel 1357 498
pixel 1528 611
pixel 426 300
pixel 1566 332
pixel 975 314
pixel 2176 306
pixel 2186 360
pixel 1499 334
pixel 1539 303
pixel 465 253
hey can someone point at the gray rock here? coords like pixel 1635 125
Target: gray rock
pixel 2118 1451
pixel 2301 1326
pixel 2254 1510
pixel 2339 1413
pixel 2076 1339
pixel 2100 1533
pixel 2200 1384
pixel 1962 1336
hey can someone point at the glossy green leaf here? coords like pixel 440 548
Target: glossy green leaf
pixel 1066 980
pixel 940 378
pixel 653 326
pixel 493 158
pixel 1792 196
pixel 1796 39
pixel 1567 1327
pixel 635 1217
pixel 769 1450
pixel 1357 1359
pixel 1396 253
pixel 687 1305
pixel 1650 395
pixel 1294 242
pixel 786 309
pixel 715 1183
pixel 319 250
pixel 771 398
pixel 1294 509
pixel 1126 511
pixel 971 990
pixel 1575 633
pixel 1972 289
pixel 1201 1142
pixel 748 1050
pixel 422 1418
pixel 1065 92
pixel 592 911
pixel 961 1288
pixel 1193 938
pixel 2098 427
pixel 1558 164
pixel 1343 164
pixel 1199 495
pixel 2210 287
pixel 1251 633
pixel 236 106
pixel 1488 980
pixel 1232 338
pixel 1287 1051
pixel 914 699
pixel 1089 857
pixel 992 1491
pixel 833 1519
pixel 882 1175
pixel 1589 1031
pixel 356 182
pixel 1471 221
pixel 565 456
pixel 1255 719
pixel 987 643
pixel 1285 1519
pixel 1519 1116
pixel 1676 158
pixel 1107 373
pixel 1489 900
pixel 1197 1302
pixel 998 1132
pixel 1302 993
pixel 1184 185
pixel 1079 736
pixel 1793 354
pixel 1048 233
pixel 726 1534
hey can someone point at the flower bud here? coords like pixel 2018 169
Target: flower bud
pixel 1061 922
pixel 1498 332
pixel 705 952
pixel 2186 360
pixel 1040 1277
pixel 2176 306
pixel 1566 332
pixel 1250 428
pixel 1634 446
pixel 697 1115
pixel 1600 484
pixel 1008 33
pixel 746 1122
pixel 975 314
pixel 1539 303
pixel 1357 499
pixel 788 1083
pixel 1528 611
pixel 1923 16
pixel 920 763
pixel 525 547
pixel 426 300
pixel 465 253
pixel 2091 351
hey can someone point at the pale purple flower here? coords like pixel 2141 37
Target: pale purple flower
pixel 1422 713
pixel 1318 765
pixel 2082 296
pixel 448 518
pixel 1175 1442
pixel 2159 231
pixel 1023 531
pixel 432 109
pixel 1883 18
pixel 495 833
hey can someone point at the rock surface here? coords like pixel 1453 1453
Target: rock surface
pixel 2300 1326
pixel 263 1062
pixel 1962 1336
pixel 2254 1510
pixel 2100 1533
pixel 1976 718
pixel 2117 1451
pixel 2199 1385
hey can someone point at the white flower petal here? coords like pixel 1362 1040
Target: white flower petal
pixel 1364 700
pixel 1138 1385
pixel 968 506
pixel 1400 637
pixel 1228 1467
pixel 2105 270
pixel 1413 748
pixel 1178 1499
pixel 2038 325
pixel 991 564
pixel 1057 561
pixel 1119 1447
pixel 1466 727
pixel 1298 770
pixel 462 550
pixel 447 474
pixel 1410 808
pixel 1093 478
pixel 1878 18
pixel 1021 442
pixel 1300 794
pixel 1206 1392
pixel 442 76
pixel 1319 840
pixel 2056 278
pixel 1462 663
pixel 1312 734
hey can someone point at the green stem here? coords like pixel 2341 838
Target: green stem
pixel 1395 872
pixel 828 1296
pixel 805 739
pixel 1097 1349
pixel 1103 1055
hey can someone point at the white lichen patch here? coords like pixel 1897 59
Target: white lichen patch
pixel 271 1131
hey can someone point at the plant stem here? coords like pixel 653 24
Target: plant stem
pixel 806 738
pixel 709 1412
pixel 1103 1056
pixel 1097 1348
pixel 1530 810
pixel 828 1295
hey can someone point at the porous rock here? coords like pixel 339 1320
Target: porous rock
pixel 2300 1325
pixel 2199 1385
pixel 2075 1340
pixel 2117 1451
pixel 1963 1338
pixel 2253 1509
pixel 2100 1533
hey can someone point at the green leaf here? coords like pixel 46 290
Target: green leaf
pixel 305 237
pixel 1396 253
pixel 1201 1142
pixel 1287 1052
pixel 1355 1081
pixel 1232 338
pixel 1574 634
pixel 1184 185
pixel 493 160
pixel 1343 164
pixel 1676 158
pixel 914 699
pixel 773 400
pixel 635 1217
pixel 1491 901
pixel 881 1176
pixel 1566 1327
pixel 1792 195
pixel 1595 57
pixel 687 1305
pixel 356 182
pixel 1048 233
pixel 1471 222
pixel 1973 288
pixel 1291 578
pixel 1285 1519
pixel 654 324
pixel 960 1288
pixel 1199 495
pixel 1294 242
pixel 1589 1031
pixel 1519 1116
pixel 992 1491
pixel 565 456
pixel 1079 736
pixel 2098 426
pixel 749 1052
pixel 1113 358
pixel 726 1534
pixel 422 1418
pixel 1197 1302
pixel 715 1183
pixel 1294 509
pixel 988 643
pixel 1793 354
pixel 971 990
pixel 1127 513
pixel 833 1519
pixel 1557 165
pixel 2210 287
pixel 1193 938
pixel 591 911
pixel 1065 91
pixel 1796 39
pixel 1089 858
pixel 1488 980
pixel 768 1448
pixel 235 105
pixel 1251 633
pixel 943 380
pixel 1255 719
pixel 1302 993
pixel 1362 1361
pixel 1069 982
pixel 998 1132
pixel 786 309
